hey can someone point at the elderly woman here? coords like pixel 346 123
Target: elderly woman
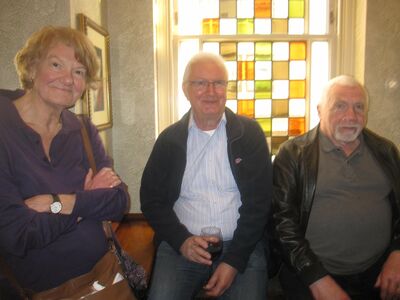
pixel 51 204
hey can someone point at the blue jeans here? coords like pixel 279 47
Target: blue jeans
pixel 176 278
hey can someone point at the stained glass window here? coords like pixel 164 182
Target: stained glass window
pixel 276 53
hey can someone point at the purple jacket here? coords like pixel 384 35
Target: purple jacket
pixel 43 249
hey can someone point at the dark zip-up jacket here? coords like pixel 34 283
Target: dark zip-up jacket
pixel 294 184
pixel 251 167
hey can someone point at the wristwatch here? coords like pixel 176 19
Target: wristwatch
pixel 56 206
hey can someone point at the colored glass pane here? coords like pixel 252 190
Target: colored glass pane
pixel 280 70
pixel 297 69
pixel 227 9
pixel 280 51
pixel 297 107
pixel 263 70
pixel 279 126
pixel 245 70
pixel 280 89
pixel 246 108
pixel 263 108
pixel 296 26
pixel 228 51
pixel 263 51
pixel 231 66
pixel 232 105
pixel 231 90
pixel 263 89
pixel 297 51
pixel 245 26
pixel 262 26
pixel 245 9
pixel 210 26
pixel 296 8
pixel 297 89
pixel 245 89
pixel 280 108
pixel 262 8
pixel 246 51
pixel 280 9
pixel 296 126
pixel 276 141
pixel 227 26
pixel 279 26
pixel 265 126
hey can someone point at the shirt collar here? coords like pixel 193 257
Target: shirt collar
pixel 327 145
pixel 192 123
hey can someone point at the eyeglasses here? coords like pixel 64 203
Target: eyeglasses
pixel 202 85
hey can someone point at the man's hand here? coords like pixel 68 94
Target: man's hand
pixel 220 280
pixel 389 278
pixel 326 288
pixel 106 178
pixel 194 249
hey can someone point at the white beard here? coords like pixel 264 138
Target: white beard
pixel 347 137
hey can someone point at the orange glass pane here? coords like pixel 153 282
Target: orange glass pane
pixel 245 26
pixel 298 51
pixel 245 70
pixel 296 126
pixel 276 142
pixel 246 108
pixel 266 126
pixel 262 8
pixel 210 26
pixel 297 89
pixel 228 51
pixel 231 90
pixel 280 70
pixel 280 26
pixel 280 108
pixel 227 9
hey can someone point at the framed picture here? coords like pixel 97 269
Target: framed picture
pixel 98 102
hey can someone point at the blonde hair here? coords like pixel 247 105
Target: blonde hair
pixel 39 43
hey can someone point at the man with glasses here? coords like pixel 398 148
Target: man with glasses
pixel 210 168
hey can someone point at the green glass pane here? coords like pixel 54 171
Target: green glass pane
pixel 228 51
pixel 296 8
pixel 265 124
pixel 263 51
pixel 263 89
pixel 280 70
pixel 227 9
pixel 231 90
pixel 245 26
pixel 280 108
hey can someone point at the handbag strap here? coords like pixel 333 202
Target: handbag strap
pixel 87 145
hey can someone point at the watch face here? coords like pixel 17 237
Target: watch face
pixel 56 207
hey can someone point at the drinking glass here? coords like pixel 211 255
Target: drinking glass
pixel 214 248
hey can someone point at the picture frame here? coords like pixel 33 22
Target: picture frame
pixel 97 102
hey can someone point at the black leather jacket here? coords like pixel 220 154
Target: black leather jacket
pixel 294 181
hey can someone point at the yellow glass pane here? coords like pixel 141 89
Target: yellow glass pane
pixel 245 70
pixel 276 142
pixel 265 126
pixel 280 70
pixel 298 51
pixel 210 26
pixel 296 8
pixel 263 89
pixel 296 126
pixel 231 90
pixel 246 108
pixel 245 26
pixel 297 89
pixel 227 9
pixel 280 108
pixel 279 26
pixel 228 51
pixel 263 51
pixel 262 8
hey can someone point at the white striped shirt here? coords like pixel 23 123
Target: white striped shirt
pixel 209 194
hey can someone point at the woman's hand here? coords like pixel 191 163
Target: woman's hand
pixel 106 178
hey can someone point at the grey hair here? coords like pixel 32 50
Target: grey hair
pixel 204 57
pixel 341 80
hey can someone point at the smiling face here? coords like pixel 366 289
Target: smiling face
pixel 205 92
pixel 59 80
pixel 344 115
